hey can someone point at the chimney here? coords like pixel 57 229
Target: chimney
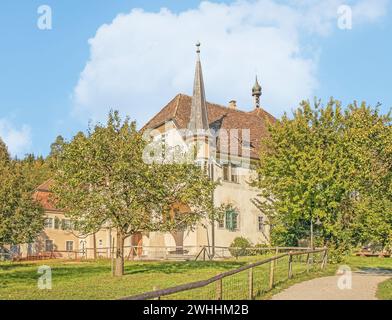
pixel 232 105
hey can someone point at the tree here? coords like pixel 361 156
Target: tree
pixel 21 217
pixel 321 165
pixel 55 151
pixel 36 170
pixel 4 155
pixel 369 137
pixel 103 180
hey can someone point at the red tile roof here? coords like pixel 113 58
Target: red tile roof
pixel 219 117
pixel 42 195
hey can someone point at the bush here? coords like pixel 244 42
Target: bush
pixel 259 249
pixel 239 246
pixel 338 253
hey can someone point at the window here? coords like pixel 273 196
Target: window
pixel 231 220
pixel 66 224
pixel 211 171
pixel 57 223
pixel 226 172
pixel 69 245
pixel 230 173
pixel 48 245
pixel 221 223
pixel 260 223
pixel 234 174
pixel 49 223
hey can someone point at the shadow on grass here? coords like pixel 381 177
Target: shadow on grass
pixel 179 267
pixel 28 273
pixel 375 271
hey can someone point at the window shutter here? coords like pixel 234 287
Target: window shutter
pixel 231 220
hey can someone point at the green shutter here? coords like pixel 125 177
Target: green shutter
pixel 231 220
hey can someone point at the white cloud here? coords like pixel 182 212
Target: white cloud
pixel 142 59
pixel 369 10
pixel 18 140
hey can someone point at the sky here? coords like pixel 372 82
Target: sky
pixel 135 56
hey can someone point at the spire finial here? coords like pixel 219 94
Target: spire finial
pixel 198 50
pixel 256 93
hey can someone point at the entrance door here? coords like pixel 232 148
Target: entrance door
pixel 137 241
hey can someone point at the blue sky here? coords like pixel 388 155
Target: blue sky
pixel 53 81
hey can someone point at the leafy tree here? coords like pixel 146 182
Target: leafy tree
pixel 21 218
pixel 4 155
pixel 322 165
pixel 369 138
pixel 102 179
pixel 55 151
pixel 36 170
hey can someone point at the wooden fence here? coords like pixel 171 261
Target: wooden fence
pixel 249 278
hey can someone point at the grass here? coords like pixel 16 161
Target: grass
pixel 93 280
pixel 384 291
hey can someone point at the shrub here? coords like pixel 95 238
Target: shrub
pixel 239 246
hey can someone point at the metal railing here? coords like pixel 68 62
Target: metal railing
pixel 246 282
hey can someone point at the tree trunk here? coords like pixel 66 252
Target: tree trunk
pixel 95 246
pixel 119 267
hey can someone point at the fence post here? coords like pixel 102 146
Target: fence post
pixel 155 289
pixel 325 258
pixel 307 263
pixel 204 253
pixel 250 283
pixel 271 275
pixel 219 289
pixel 276 253
pixel 290 275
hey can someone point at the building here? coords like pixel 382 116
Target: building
pixel 229 143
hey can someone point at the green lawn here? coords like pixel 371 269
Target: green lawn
pixel 93 280
pixel 384 291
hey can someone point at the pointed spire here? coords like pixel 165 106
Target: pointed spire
pixel 256 93
pixel 199 116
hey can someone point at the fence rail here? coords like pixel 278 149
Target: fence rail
pixel 249 279
pixel 156 253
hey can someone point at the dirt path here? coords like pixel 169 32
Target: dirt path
pixel 363 287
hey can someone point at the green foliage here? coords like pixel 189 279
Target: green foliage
pixel 56 149
pixel 240 247
pixel 329 165
pixel 4 154
pixel 36 170
pixel 102 179
pixel 21 218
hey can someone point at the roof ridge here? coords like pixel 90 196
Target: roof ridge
pixel 42 185
pixel 232 110
pixel 177 104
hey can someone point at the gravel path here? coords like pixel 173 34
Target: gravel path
pixel 363 287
